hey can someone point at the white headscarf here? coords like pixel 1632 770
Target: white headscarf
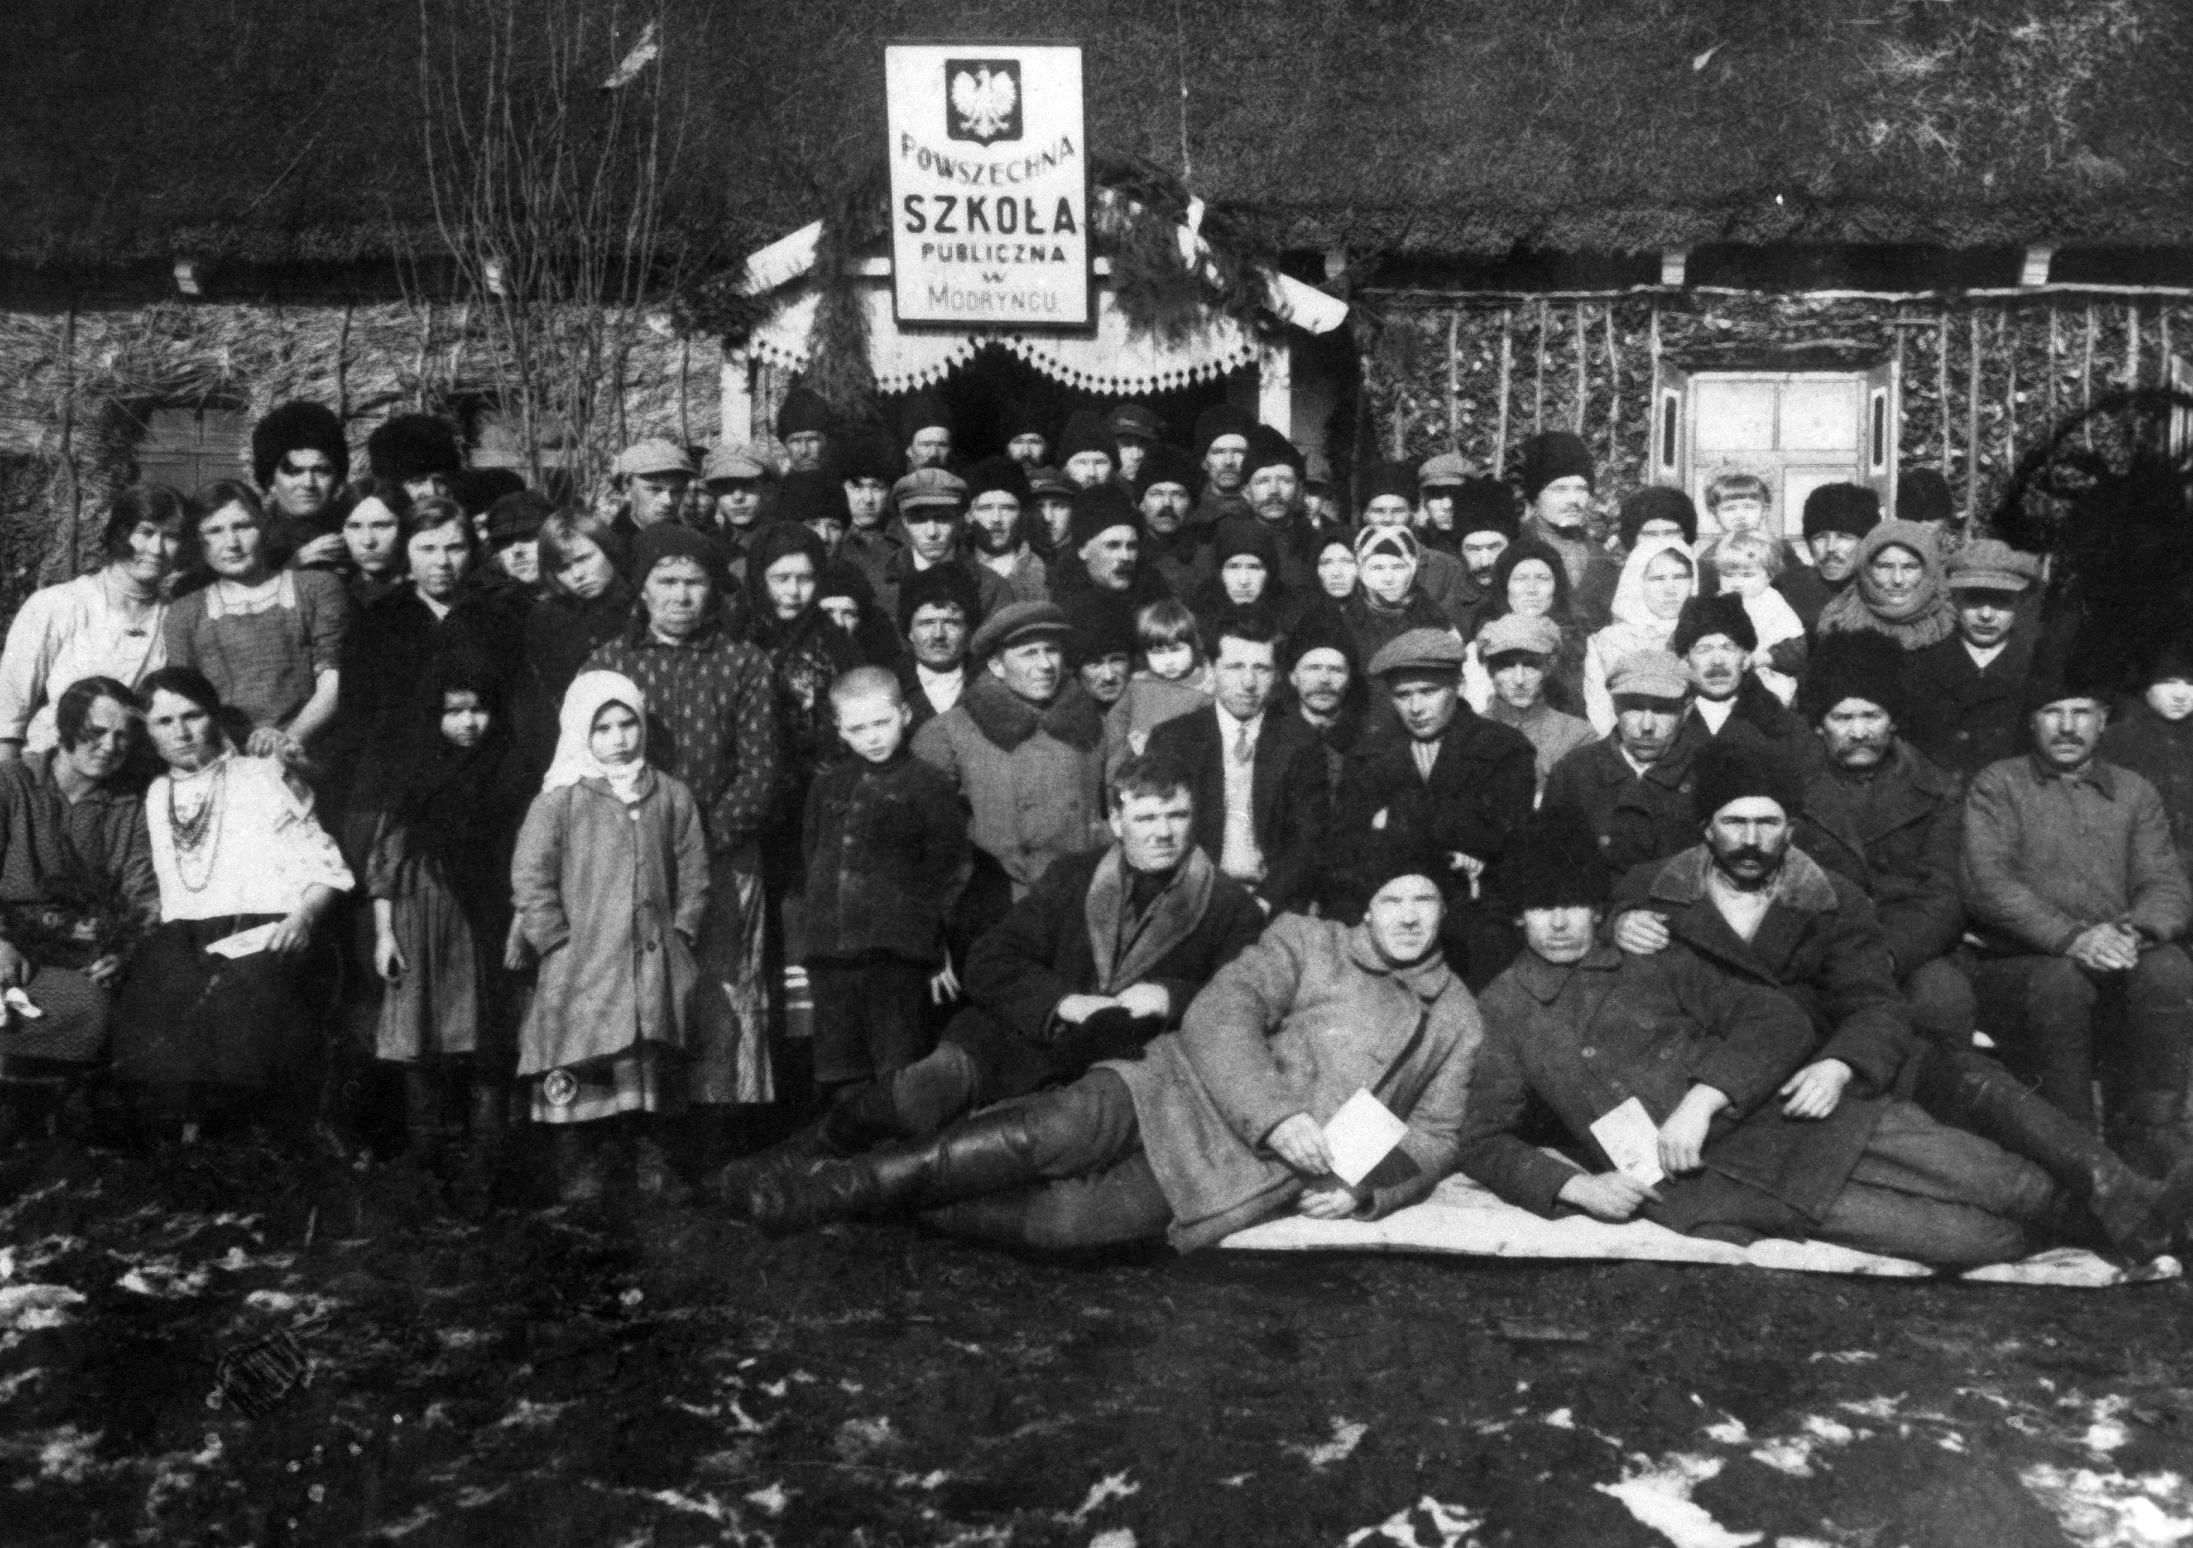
pixel 588 694
pixel 1629 593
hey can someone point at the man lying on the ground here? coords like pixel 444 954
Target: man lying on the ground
pixel 1103 954
pixel 1587 1029
pixel 1218 1125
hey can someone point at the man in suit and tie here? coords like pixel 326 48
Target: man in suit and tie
pixel 1258 778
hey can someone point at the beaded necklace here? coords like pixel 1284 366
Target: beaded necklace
pixel 198 836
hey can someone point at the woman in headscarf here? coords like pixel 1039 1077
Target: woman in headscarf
pixel 1530 581
pixel 611 877
pixel 1387 602
pixel 1336 570
pixel 1245 557
pixel 847 597
pixel 1658 577
pixel 1898 588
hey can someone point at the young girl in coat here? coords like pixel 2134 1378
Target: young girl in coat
pixel 438 874
pixel 610 883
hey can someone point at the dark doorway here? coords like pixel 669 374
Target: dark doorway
pixel 980 392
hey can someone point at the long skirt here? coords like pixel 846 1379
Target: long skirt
pixel 645 1078
pixel 187 1017
pixel 69 1031
pixel 729 1060
pixel 439 1001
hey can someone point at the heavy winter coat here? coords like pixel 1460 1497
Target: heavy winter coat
pixel 1032 776
pixel 1895 836
pixel 991 591
pixel 1482 786
pixel 1759 723
pixel 2161 752
pixel 1587 1036
pixel 1288 809
pixel 1640 818
pixel 886 855
pixel 609 896
pixel 1961 715
pixel 1298 1023
pixel 1819 943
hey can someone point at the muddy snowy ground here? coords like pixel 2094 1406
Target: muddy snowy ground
pixel 669 1378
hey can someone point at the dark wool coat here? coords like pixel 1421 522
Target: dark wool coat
pixel 1760 723
pixel 1070 579
pixel 1183 561
pixel 991 591
pixel 1819 943
pixel 2161 752
pixel 1288 806
pixel 1482 786
pixel 886 853
pixel 1896 836
pixel 1804 591
pixel 1639 817
pixel 1961 717
pixel 1593 575
pixel 1586 1037
pixel 561 631
pixel 1298 1023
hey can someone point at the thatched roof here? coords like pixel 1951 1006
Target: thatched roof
pixel 285 130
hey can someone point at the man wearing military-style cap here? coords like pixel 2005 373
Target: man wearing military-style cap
pixel 1135 430
pixel 1965 692
pixel 1025 747
pixel 932 511
pixel 1632 786
pixel 1517 652
pixel 1443 778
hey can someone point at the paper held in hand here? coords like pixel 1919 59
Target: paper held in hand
pixel 1360 1136
pixel 245 943
pixel 1631 1140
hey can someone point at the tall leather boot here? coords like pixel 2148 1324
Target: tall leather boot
pixel 978 1156
pixel 423 1115
pixel 2143 1128
pixel 1975 1093
pixel 860 1121
pixel 483 1150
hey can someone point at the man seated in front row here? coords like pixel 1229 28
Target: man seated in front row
pixel 1104 953
pixel 1219 1125
pixel 1587 1028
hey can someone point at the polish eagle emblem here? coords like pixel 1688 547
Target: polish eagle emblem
pixel 985 101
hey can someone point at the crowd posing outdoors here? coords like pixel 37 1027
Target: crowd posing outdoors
pixel 1063 837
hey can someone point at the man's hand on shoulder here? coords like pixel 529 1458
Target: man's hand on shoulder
pixel 1640 932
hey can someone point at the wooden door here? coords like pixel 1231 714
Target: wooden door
pixel 1796 430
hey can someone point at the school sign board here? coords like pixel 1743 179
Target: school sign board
pixel 990 185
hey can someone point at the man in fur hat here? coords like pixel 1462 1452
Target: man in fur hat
pixel 1087 454
pixel 1272 484
pixel 1558 480
pixel 1027 435
pixel 1836 518
pixel 868 466
pixel 1484 520
pixel 999 504
pixel 1100 644
pixel 418 451
pixel 1104 549
pixel 1222 435
pixel 2077 895
pixel 1324 684
pixel 937 612
pixel 1218 1125
pixel 925 426
pixel 299 459
pixel 1177 548
pixel 1632 786
pixel 804 425
pixel 1716 639
pixel 1103 954
pixel 1724 1067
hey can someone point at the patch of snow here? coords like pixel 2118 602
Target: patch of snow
pixel 1843 1357
pixel 2108 1432
pixel 1117 1537
pixel 1347 1435
pixel 1786 1455
pixel 28 1308
pixel 1113 1486
pixel 770 1501
pixel 1658 1495
pixel 1729 1432
pixel 1873 1408
pixel 2110 1510
pixel 1562 1419
pixel 410 1524
pixel 1452 1524
pixel 529 1415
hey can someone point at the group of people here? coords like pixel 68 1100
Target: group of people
pixel 1073 831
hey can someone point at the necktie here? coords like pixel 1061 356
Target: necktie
pixel 1244 749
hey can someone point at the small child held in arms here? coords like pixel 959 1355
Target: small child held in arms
pixel 887 854
pixel 1747 563
pixel 1172 680
pixel 610 881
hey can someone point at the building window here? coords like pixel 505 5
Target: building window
pixel 1796 430
pixel 190 446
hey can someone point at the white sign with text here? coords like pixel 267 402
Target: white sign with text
pixel 989 185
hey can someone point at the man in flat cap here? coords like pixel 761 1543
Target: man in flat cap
pixel 938 609
pixel 1104 550
pixel 1518 653
pixel 1632 786
pixel 932 512
pixel 737 483
pixel 1221 442
pixel 418 451
pixel 1716 639
pixel 1051 531
pixel 1135 429
pixel 1174 545
pixel 1024 746
pixel 805 425
pixel 1441 777
pixel 1558 479
pixel 1836 518
pixel 1966 692
pixel 299 458
pixel 1437 479
pixel 999 509
pixel 652 477
pixel 1218 1125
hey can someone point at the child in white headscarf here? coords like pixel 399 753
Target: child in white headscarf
pixel 610 881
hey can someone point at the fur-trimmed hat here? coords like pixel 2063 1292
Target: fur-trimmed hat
pixel 804 412
pixel 805 497
pixel 1163 464
pixel 1097 510
pixel 297 425
pixel 1268 448
pixel 1086 431
pixel 1859 664
pixel 1553 861
pixel 1656 502
pixel 1703 617
pixel 2057 674
pixel 1100 624
pixel 994 474
pixel 940 584
pixel 1729 771
pixel 1321 629
pixel 1221 419
pixel 865 455
pixel 1389 478
pixel 923 411
pixel 1020 417
pixel 414 446
pixel 1551 455
pixel 1386 855
pixel 1922 494
pixel 1851 508
pixel 1486 505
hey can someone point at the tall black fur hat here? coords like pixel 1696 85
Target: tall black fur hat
pixel 297 425
pixel 1856 665
pixel 1726 772
pixel 414 446
pixel 1554 861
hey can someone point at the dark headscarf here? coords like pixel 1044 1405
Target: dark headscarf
pixel 778 540
pixel 459 808
pixel 1496 600
pixel 871 638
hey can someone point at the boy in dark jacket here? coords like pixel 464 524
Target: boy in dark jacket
pixel 886 855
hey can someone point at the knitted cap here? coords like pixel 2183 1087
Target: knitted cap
pixel 1268 448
